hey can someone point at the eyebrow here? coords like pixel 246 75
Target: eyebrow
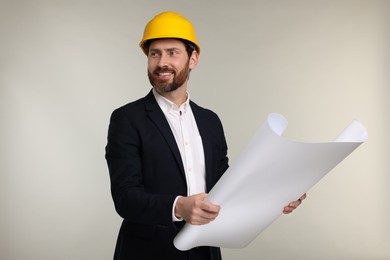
pixel 166 50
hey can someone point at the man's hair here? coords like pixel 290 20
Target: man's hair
pixel 190 47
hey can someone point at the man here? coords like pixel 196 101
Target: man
pixel 164 152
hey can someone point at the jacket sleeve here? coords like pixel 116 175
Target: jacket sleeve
pixel 123 155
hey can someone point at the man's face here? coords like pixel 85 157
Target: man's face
pixel 168 65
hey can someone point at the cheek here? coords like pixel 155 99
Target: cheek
pixel 151 62
pixel 150 67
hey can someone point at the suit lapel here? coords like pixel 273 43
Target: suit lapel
pixel 157 116
pixel 203 128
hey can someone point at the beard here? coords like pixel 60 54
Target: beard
pixel 163 86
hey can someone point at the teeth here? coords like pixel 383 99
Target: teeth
pixel 164 74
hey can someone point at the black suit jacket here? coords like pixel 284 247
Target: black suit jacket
pixel 146 173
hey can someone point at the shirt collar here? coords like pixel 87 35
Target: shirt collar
pixel 167 105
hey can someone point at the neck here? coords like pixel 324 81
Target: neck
pixel 178 96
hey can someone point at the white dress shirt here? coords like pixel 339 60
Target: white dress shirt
pixel 186 133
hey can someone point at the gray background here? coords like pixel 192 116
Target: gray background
pixel 65 65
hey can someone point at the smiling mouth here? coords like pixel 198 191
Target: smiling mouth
pixel 164 74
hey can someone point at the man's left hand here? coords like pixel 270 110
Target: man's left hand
pixel 293 205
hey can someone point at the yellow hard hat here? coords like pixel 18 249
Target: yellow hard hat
pixel 169 25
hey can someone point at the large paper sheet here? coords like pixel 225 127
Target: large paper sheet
pixel 269 173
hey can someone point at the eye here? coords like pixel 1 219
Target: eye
pixel 173 52
pixel 153 54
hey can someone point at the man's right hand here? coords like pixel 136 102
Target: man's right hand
pixel 195 210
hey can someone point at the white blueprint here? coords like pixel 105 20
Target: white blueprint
pixel 269 173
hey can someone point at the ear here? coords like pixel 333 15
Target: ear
pixel 194 59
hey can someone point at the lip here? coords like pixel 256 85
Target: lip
pixel 164 74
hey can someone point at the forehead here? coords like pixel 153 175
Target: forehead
pixel 166 44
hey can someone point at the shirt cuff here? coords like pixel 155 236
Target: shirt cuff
pixel 174 218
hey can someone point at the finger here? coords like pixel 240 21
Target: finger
pixel 209 216
pixel 294 204
pixel 203 218
pixel 210 208
pixel 298 201
pixel 288 210
pixel 198 221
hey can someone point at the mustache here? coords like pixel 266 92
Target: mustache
pixel 162 70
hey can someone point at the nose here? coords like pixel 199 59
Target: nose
pixel 163 60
